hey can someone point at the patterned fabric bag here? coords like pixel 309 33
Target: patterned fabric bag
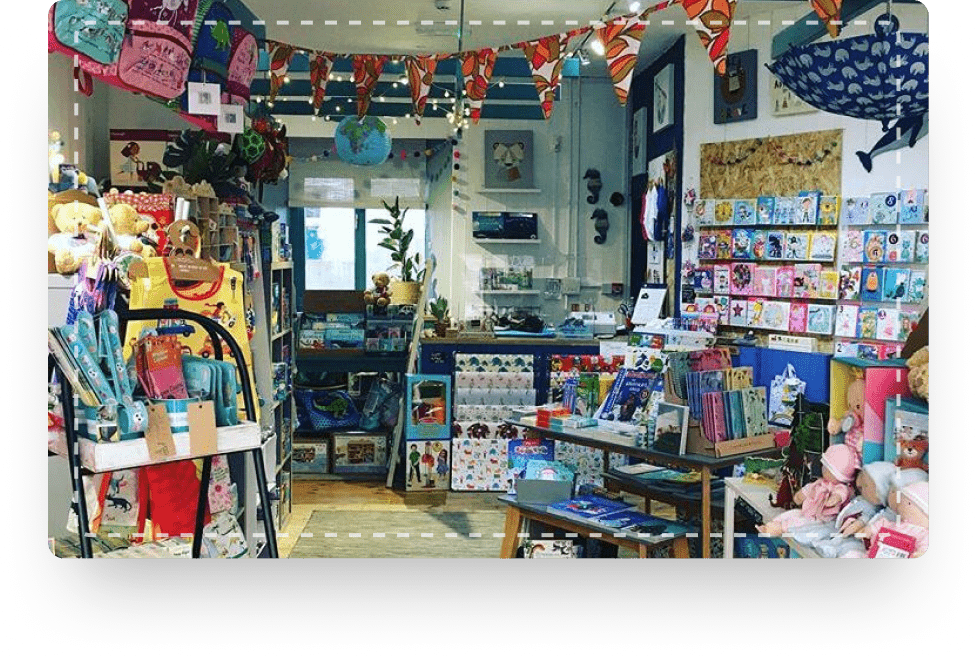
pixel 321 410
pixel 155 57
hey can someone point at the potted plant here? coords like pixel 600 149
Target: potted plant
pixel 405 290
pixel 442 315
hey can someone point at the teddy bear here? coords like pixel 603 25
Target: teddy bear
pixel 379 296
pixel 128 225
pixel 911 452
pixel 918 373
pixel 74 241
pixel 852 423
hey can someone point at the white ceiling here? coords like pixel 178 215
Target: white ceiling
pixel 416 37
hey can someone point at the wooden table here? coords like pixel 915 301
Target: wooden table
pixel 757 496
pixel 610 442
pixel 519 512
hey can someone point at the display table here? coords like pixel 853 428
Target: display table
pixel 610 442
pixel 757 496
pixel 640 542
pixel 685 496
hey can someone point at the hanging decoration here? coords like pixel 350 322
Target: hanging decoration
pixel 319 68
pixel 712 19
pixel 366 70
pixel 420 75
pixel 279 57
pixel 476 69
pixel 829 12
pixel 545 58
pixel 621 39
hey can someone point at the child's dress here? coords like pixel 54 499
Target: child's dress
pixel 815 508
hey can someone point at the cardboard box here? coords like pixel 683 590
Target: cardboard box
pixel 883 379
pixel 359 453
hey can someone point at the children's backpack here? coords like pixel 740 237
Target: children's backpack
pixel 100 29
pixel 212 48
pixel 156 52
pixel 242 67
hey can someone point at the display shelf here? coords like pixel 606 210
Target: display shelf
pixel 507 241
pixel 512 292
pixel 100 457
pixel 756 495
pixel 796 299
pixel 737 260
pixel 771 226
pixel 283 333
pixel 509 191
pixel 276 266
pixel 884 226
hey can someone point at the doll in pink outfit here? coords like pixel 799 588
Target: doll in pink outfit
pixel 852 423
pixel 912 519
pixel 821 500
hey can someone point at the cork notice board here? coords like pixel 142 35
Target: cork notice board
pixel 773 166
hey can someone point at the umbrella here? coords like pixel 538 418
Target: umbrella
pixel 882 76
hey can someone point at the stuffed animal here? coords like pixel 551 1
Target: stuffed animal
pixel 379 296
pixel 918 373
pixel 128 225
pixel 911 452
pixel 852 423
pixel 76 222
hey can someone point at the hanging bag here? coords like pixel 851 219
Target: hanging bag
pixel 323 409
pixel 156 51
pixel 784 390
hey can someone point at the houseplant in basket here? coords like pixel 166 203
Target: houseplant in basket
pixel 442 315
pixel 406 289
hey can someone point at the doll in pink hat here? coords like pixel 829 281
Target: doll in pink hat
pixel 821 500
pixel 912 519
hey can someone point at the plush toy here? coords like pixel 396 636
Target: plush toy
pixel 379 296
pixel 822 499
pixel 74 241
pixel 852 423
pixel 128 226
pixel 911 452
pixel 918 373
pixel 912 519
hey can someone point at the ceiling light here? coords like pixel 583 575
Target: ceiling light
pixel 501 84
pixel 287 79
pixel 597 47
pixel 634 7
pixel 404 80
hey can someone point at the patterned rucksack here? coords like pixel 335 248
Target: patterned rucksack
pixel 155 57
pixel 212 48
pixel 91 30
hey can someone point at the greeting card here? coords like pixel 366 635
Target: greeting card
pixel 806 280
pixel 764 282
pixel 907 322
pixel 893 247
pixel 722 279
pixel 723 244
pixel 797 246
pixel 745 212
pixel 872 285
pixel 884 208
pixel 784 210
pixel 776 315
pixel 887 324
pixel 784 281
pixel 807 208
pixel 829 210
pixel 846 322
pixel 724 211
pixel 896 284
pixel 742 244
pixel 867 323
pixel 755 310
pixel 820 319
pixel 849 285
pixel 739 312
pixel 774 245
pixel 742 275
pixel 922 246
pixel 798 317
pixel 703 280
pixel 855 211
pixel 707 249
pixel 829 284
pixel 852 246
pixel 913 206
pixel 765 209
pixel 722 307
pixel 703 212
pixel 874 246
pixel 758 244
pixel 822 245
pixel 916 287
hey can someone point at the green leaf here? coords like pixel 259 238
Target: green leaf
pixel 381 221
pixel 387 247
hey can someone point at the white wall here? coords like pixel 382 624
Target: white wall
pixel 84 133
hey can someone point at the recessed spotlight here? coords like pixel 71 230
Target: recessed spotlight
pixel 597 46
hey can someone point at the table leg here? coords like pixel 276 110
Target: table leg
pixel 513 522
pixel 706 514
pixel 647 505
pixel 729 526
pixel 642 551
pixel 681 547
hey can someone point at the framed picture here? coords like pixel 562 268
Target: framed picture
pixel 736 92
pixel 136 156
pixel 784 102
pixel 203 98
pixel 509 160
pixel 231 119
pixel 664 98
pixel 638 145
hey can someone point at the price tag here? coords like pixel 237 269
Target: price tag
pixel 159 434
pixel 203 428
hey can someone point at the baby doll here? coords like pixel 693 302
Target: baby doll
pixel 822 499
pixel 872 484
pixel 852 423
pixel 912 518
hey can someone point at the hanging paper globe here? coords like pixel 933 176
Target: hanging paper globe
pixel 365 142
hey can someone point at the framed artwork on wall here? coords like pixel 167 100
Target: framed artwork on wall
pixel 663 98
pixel 784 102
pixel 638 144
pixel 509 160
pixel 736 93
pixel 136 156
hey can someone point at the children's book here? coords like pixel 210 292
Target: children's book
pixel 707 246
pixel 742 278
pixel 874 246
pixel 745 212
pixel 896 284
pixel 742 244
pixel 867 323
pixel 765 210
pixel 922 246
pixel 807 208
pixel 784 210
pixel 849 285
pixel 806 281
pixel 723 244
pixel 829 210
pixel 855 211
pixel 764 282
pixel 629 396
pixel 884 208
pixel 852 246
pixel 703 280
pixel 846 322
pixel 724 211
pixel 797 246
pixel 916 287
pixel 784 281
pixel 872 283
pixel 756 306
pixel 632 521
pixel 820 319
pixel 776 315
pixel 912 206
pixel 829 284
pixel 822 245
pixel 758 244
pixel 798 317
pixel 671 428
pixel 722 276
pixel 907 322
pixel 774 245
pixel 523 449
pixel 887 325
pixel 893 247
pixel 739 312
pixel 754 411
pixel 586 507
pixel 738 378
pixel 704 212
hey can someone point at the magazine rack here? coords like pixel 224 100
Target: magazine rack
pixel 122 455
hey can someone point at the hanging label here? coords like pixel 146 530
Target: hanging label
pixel 159 434
pixel 203 428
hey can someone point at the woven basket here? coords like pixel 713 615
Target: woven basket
pixel 404 293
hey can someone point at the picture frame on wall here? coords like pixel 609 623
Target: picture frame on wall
pixel 736 93
pixel 509 160
pixel 136 156
pixel 784 102
pixel 663 102
pixel 638 146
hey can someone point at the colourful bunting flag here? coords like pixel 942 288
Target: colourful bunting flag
pixel 366 70
pixel 279 57
pixel 420 73
pixel 476 68
pixel 319 68
pixel 621 39
pixel 545 58
pixel 712 20
pixel 829 12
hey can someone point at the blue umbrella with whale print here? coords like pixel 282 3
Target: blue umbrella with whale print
pixel 882 76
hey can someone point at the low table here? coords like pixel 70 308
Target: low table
pixel 521 511
pixel 757 496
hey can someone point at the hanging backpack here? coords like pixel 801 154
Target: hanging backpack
pixel 242 67
pixel 156 52
pixel 99 28
pixel 212 48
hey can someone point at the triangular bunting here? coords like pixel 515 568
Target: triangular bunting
pixel 319 68
pixel 829 12
pixel 420 73
pixel 477 67
pixel 545 58
pixel 712 20
pixel 366 71
pixel 621 39
pixel 279 57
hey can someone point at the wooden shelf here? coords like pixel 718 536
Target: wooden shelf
pixel 507 241
pixel 276 336
pixel 275 266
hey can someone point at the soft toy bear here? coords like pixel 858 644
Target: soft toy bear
pixel 379 296
pixel 128 225
pixel 74 241
pixel 918 373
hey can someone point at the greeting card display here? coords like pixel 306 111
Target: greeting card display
pixel 774 245
pixel 784 210
pixel 706 246
pixel 884 208
pixel 922 246
pixel 829 210
pixel 758 244
pixel 855 211
pixel 896 284
pixel 872 283
pixel 913 206
pixel 798 317
pixel 849 286
pixel 755 311
pixel 822 246
pixel 887 324
pixel 742 275
pixel 722 308
pixel 776 315
pixel 724 211
pixel 739 312
pixel 893 245
pixel 916 287
pixel 807 208
pixel 745 212
pixel 852 246
pixel 806 280
pixel 907 322
pixel 703 280
pixel 722 279
pixel 829 284
pixel 820 319
pixel 764 282
pixel 867 323
pixel 797 246
pixel 874 246
pixel 742 244
pixel 765 210
pixel 784 281
pixel 846 322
